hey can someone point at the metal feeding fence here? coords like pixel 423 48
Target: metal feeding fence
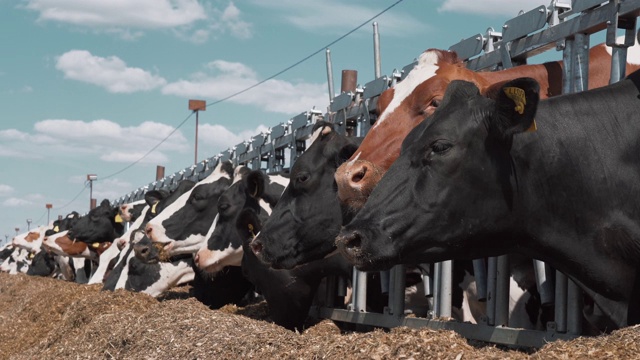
pixel 564 25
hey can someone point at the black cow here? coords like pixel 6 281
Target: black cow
pixel 308 217
pixel 99 225
pixel 289 293
pixel 184 225
pixel 251 189
pixel 42 264
pixel 471 182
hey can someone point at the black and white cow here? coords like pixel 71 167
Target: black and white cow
pixel 307 218
pixel 116 272
pixel 184 225
pixel 471 182
pixel 251 189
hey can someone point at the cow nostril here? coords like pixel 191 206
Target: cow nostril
pixel 353 240
pixel 359 175
pixel 197 258
pixel 144 250
pixel 256 246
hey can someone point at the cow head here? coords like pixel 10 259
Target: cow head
pixel 130 212
pixel 224 246
pixel 184 225
pixel 401 108
pixel 99 225
pixel 307 218
pixel 451 184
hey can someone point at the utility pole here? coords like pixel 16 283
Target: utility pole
pixel 91 178
pixel 29 224
pixel 197 106
pixel 48 206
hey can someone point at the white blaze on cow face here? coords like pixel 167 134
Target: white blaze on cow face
pixel 423 71
pixel 171 275
pixel 126 209
pixel 157 232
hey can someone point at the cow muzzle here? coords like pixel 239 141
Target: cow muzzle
pixel 356 179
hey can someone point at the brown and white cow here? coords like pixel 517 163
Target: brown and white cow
pixel 404 106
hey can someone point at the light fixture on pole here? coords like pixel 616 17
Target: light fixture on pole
pixel 197 106
pixel 29 224
pixel 6 238
pixel 17 229
pixel 91 178
pixel 48 206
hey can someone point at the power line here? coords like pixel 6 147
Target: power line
pixel 74 199
pixel 305 58
pixel 258 84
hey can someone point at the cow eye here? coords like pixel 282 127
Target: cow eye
pixel 302 177
pixel 223 207
pixel 440 147
pixel 435 103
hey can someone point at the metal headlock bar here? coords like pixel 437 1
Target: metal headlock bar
pixel 564 25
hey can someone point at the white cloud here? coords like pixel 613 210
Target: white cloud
pixel 5 190
pixel 141 14
pixel 228 78
pixel 103 138
pixel 218 138
pixel 110 188
pixel 336 17
pixel 16 202
pixel 188 19
pixel 110 73
pixel 490 7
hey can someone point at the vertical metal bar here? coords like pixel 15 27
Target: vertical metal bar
pixel 427 281
pixel 581 62
pixel 384 281
pixel 561 302
pixel 354 289
pixel 437 279
pixel 396 295
pixel 491 290
pixel 361 294
pixel 567 69
pixel 480 274
pixel 376 51
pixel 618 64
pixel 446 273
pixel 502 291
pixel 544 282
pixel 330 75
pixel 574 308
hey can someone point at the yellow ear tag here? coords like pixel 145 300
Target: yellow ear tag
pixel 95 245
pixel 518 97
pixel 56 228
pixel 251 230
pixel 119 218
pixel 153 207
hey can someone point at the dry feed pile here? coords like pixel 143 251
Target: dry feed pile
pixel 42 318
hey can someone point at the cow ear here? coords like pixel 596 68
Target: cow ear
pixel 254 182
pixel 248 224
pixel 153 196
pixel 516 106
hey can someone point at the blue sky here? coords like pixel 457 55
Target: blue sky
pixel 90 86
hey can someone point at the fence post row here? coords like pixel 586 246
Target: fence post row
pixel 566 26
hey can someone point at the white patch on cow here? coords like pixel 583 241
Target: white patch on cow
pixel 265 206
pixel 633 52
pixel 279 179
pixel 159 232
pixel 424 70
pixel 170 276
pixel 50 242
pixel 125 210
pixel 220 258
pixel 124 275
pixel 192 243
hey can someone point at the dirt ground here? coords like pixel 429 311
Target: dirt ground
pixel 43 318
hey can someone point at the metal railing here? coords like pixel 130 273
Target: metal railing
pixel 564 25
